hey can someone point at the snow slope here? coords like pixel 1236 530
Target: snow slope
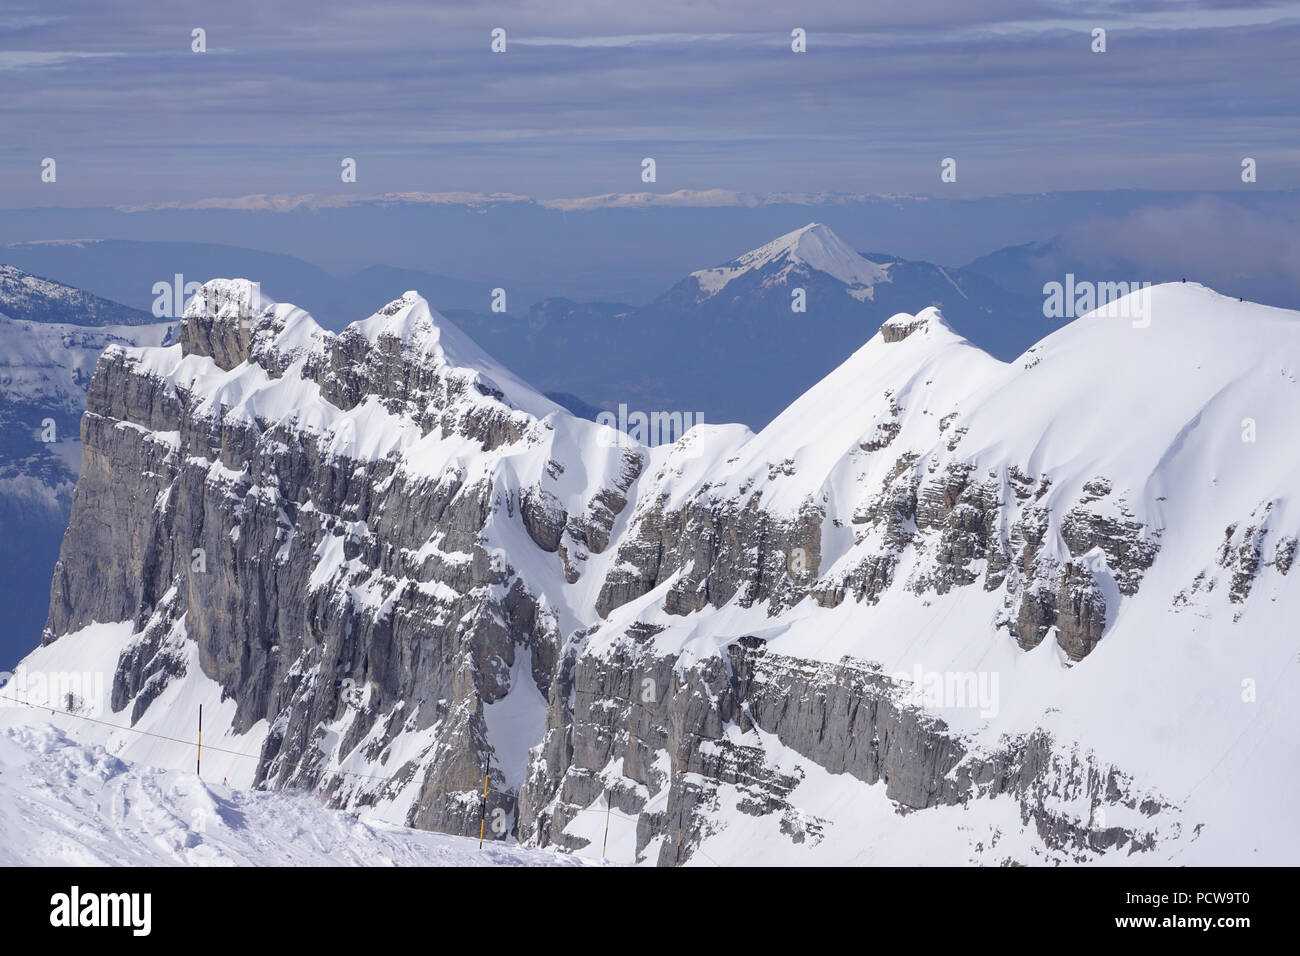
pixel 65 803
pixel 1188 419
pixel 49 363
pixel 26 297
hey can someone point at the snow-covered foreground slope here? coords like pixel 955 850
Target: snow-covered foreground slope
pixel 943 609
pixel 64 803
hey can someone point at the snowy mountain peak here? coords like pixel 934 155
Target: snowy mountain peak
pixel 409 318
pixel 426 332
pixel 811 248
pixel 928 322
pixel 228 299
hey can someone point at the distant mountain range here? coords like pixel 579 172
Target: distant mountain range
pixel 695 347
pixel 728 341
pixel 127 271
pixel 50 337
pixel 28 297
pixel 631 247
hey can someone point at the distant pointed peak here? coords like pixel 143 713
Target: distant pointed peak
pixel 812 244
pixel 813 247
pixel 813 228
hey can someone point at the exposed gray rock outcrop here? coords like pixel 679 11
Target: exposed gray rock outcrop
pixel 688 734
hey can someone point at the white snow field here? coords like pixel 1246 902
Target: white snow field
pixel 65 803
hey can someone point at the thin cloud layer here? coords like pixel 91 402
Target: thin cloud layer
pixel 586 90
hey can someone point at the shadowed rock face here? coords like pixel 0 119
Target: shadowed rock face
pixel 723 551
pixel 357 605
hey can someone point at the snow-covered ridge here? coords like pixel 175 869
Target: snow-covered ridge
pixel 1105 394
pixel 937 496
pixel 1106 526
pixel 813 247
pixel 27 297
pixel 412 321
pixel 378 388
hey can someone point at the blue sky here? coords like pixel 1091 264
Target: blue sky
pixel 712 91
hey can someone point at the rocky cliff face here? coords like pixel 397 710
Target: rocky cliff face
pixel 409 570
pixel 694 745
